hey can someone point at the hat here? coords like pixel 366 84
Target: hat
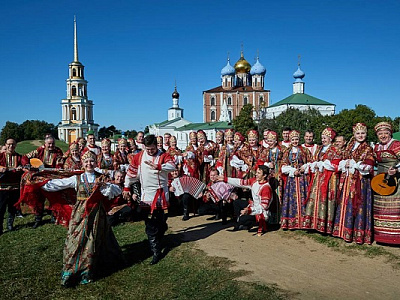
pixel 294 133
pixel 329 132
pixel 105 141
pixel 122 141
pixel 229 132
pixel 74 146
pixel 202 134
pixel 252 134
pixel 239 137
pixel 359 126
pixel 89 154
pixel 383 126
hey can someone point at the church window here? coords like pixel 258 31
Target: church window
pixel 230 114
pixel 245 100
pixel 73 72
pixel 73 113
pixel 212 101
pixel 73 90
pixel 229 100
pixel 212 115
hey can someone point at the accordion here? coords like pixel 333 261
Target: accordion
pixel 220 191
pixel 187 184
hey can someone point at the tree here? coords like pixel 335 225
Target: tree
pixel 130 134
pixel 244 121
pixel 10 130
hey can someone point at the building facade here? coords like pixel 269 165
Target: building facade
pixel 76 109
pixel 240 85
pixel 179 127
pixel 299 100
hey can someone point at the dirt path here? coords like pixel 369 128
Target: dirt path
pixel 296 264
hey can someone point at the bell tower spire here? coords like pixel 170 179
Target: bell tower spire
pixel 76 108
pixel 76 59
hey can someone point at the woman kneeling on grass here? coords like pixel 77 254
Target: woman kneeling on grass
pixel 90 241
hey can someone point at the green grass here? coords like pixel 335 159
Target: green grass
pixel 28 146
pixel 31 262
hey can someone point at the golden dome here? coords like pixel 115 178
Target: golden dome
pixel 242 65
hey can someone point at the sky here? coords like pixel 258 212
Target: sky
pixel 135 51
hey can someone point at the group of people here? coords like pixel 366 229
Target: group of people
pixel 255 181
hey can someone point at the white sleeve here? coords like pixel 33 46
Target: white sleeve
pixel 288 170
pixel 363 168
pixel 168 167
pixel 130 180
pixel 190 155
pixel 220 170
pixel 342 165
pixel 55 185
pixel 352 166
pixel 110 190
pixel 237 182
pixel 328 165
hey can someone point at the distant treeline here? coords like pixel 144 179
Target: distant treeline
pixel 28 130
pixel 312 120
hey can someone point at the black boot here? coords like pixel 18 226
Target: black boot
pixel 38 221
pixel 185 214
pixel 155 248
pixel 10 223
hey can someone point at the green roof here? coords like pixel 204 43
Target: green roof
pixel 301 99
pixel 166 122
pixel 205 126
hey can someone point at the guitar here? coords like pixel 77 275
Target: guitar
pixel 384 184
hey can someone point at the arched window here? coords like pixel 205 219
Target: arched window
pixel 73 113
pixel 230 114
pixel 212 115
pixel 73 90
pixel 73 72
pixel 229 100
pixel 245 100
pixel 212 101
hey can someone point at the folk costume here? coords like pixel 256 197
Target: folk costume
pixel 205 155
pixel 51 159
pixel 296 186
pixel 93 148
pixel 321 202
pixel 90 241
pixel 312 148
pixel 353 220
pixel 154 194
pixel 105 163
pixel 387 208
pixel 9 187
pixel 274 162
pixel 73 162
pixel 262 197
pixel 225 156
pixel 120 159
pixel 253 154
pixel 239 167
pixel 190 161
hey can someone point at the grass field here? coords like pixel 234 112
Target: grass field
pixel 31 262
pixel 29 145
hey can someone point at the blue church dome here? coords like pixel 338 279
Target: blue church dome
pixel 228 70
pixel 258 69
pixel 299 74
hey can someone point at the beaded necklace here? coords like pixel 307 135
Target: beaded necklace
pixel 294 162
pixel 88 186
